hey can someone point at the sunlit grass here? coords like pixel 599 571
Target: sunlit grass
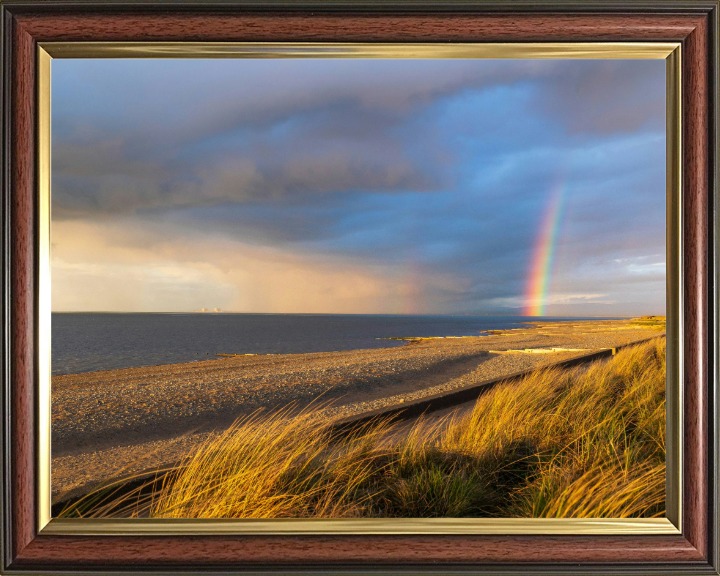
pixel 656 323
pixel 273 466
pixel 586 442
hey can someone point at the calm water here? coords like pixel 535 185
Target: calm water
pixel 101 341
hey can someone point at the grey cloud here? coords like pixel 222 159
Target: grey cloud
pixel 378 90
pixel 342 150
pixel 598 96
pixel 122 189
pixel 607 96
pixel 101 157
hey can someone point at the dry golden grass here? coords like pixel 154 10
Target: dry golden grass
pixel 656 323
pixel 271 466
pixel 586 442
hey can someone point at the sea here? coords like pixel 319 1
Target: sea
pixel 88 342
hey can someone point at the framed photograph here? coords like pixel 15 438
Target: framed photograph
pixel 359 288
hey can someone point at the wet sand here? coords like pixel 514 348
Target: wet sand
pixel 120 422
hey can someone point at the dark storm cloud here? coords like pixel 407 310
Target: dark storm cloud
pixel 340 150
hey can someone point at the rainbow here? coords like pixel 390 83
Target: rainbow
pixel 542 261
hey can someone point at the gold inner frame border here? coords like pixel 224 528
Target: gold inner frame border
pixel 671 524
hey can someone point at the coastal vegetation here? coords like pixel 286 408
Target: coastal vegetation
pixel 582 442
pixel 656 323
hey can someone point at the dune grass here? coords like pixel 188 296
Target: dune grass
pixel 585 442
pixel 656 323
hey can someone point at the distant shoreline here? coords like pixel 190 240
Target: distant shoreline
pixel 90 342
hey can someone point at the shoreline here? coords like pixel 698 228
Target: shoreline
pixel 140 418
pixel 409 340
pixel 103 359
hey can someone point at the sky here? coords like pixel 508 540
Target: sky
pixel 359 186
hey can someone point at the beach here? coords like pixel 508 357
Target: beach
pixel 120 422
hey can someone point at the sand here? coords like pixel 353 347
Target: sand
pixel 120 422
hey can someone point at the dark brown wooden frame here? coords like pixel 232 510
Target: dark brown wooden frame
pixel 693 23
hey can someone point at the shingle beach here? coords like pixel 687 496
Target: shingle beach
pixel 121 422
